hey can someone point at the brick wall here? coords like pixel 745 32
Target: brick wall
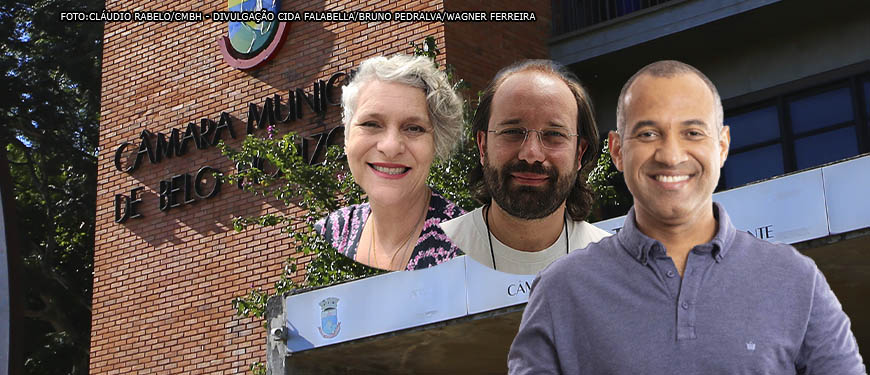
pixel 477 50
pixel 163 283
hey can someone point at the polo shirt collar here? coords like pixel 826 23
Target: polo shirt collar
pixel 641 247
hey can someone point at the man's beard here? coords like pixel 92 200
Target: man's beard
pixel 528 202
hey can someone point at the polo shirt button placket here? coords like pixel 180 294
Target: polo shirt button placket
pixel 671 274
pixel 685 324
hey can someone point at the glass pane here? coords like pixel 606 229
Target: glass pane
pixel 867 97
pixel 826 147
pixel 817 111
pixel 753 165
pixel 867 102
pixel 753 127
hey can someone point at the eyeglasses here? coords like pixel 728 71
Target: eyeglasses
pixel 551 139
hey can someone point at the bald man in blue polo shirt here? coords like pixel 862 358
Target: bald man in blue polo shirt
pixel 679 290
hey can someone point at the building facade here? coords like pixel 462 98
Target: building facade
pixel 793 77
pixel 167 261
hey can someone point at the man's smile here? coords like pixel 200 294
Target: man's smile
pixel 527 178
pixel 671 181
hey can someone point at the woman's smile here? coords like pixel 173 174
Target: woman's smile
pixel 389 170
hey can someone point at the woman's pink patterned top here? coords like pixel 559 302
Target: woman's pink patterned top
pixel 343 229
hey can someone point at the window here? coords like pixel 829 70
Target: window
pixel 756 149
pixel 797 131
pixel 866 98
pixel 819 110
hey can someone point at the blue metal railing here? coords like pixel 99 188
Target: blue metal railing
pixel 572 15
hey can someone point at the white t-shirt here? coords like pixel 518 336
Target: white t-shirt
pixel 469 233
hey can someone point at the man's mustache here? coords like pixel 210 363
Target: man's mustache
pixel 523 166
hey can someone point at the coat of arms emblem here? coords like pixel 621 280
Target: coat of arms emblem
pixel 249 44
pixel 329 324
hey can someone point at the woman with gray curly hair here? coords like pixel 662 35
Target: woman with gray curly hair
pixel 400 112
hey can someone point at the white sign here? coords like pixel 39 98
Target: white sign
pixel 611 225
pixel 784 210
pixel 847 192
pixel 376 305
pixel 489 289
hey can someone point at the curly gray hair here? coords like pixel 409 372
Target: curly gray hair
pixel 445 106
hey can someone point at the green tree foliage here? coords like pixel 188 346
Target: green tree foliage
pixel 274 168
pixel 49 119
pixel 612 198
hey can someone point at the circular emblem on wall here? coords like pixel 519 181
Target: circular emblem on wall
pixel 249 44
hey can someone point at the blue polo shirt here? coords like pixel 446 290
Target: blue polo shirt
pixel 743 306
